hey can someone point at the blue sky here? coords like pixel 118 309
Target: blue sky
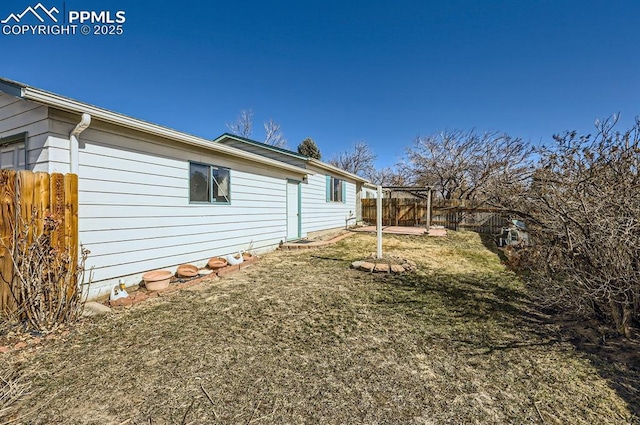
pixel 340 72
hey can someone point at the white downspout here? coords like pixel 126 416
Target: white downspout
pixel 85 121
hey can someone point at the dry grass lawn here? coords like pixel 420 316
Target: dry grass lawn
pixel 301 338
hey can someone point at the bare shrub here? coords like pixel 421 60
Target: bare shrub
pixel 518 256
pixel 583 211
pixel 45 278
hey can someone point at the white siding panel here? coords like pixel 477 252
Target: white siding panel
pixel 12 106
pixel 317 213
pixel 132 175
pixel 124 153
pixel 175 170
pixel 97 186
pixel 112 225
pixel 18 116
pixel 168 229
pixel 179 241
pixel 55 153
pixel 144 200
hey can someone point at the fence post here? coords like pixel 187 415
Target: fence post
pixel 429 210
pixel 8 211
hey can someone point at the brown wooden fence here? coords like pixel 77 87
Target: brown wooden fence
pixel 457 214
pixel 396 212
pixel 452 214
pixel 27 197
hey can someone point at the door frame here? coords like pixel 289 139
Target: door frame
pixel 299 183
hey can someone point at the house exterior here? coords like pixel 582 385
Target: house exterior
pixel 330 197
pixel 150 197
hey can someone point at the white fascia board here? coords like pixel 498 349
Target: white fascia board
pixel 336 170
pixel 71 105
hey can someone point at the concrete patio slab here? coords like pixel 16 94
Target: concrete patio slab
pixel 396 230
pixel 402 230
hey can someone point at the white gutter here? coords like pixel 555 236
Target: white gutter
pixel 70 105
pixel 73 143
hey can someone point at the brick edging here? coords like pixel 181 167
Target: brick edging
pixel 142 294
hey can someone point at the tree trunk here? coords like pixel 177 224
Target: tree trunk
pixel 622 314
pixel 627 317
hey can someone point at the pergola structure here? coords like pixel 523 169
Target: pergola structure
pixel 419 192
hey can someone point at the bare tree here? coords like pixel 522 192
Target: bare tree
pixel 467 165
pixel 273 134
pixel 583 212
pixel 386 176
pixel 359 161
pixel 242 126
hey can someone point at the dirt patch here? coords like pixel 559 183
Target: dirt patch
pixel 302 338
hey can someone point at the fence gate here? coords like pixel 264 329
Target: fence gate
pixel 27 197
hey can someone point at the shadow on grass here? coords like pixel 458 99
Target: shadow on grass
pixel 492 301
pixel 484 299
pixel 617 359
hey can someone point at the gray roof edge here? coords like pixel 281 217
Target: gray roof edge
pixel 222 137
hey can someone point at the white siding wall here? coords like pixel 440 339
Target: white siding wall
pixel 368 193
pixel 317 213
pixel 134 210
pixel 19 115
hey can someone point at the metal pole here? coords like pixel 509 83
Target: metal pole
pixel 429 210
pixel 379 223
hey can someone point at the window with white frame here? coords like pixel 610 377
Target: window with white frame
pixel 209 184
pixel 13 151
pixel 336 190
